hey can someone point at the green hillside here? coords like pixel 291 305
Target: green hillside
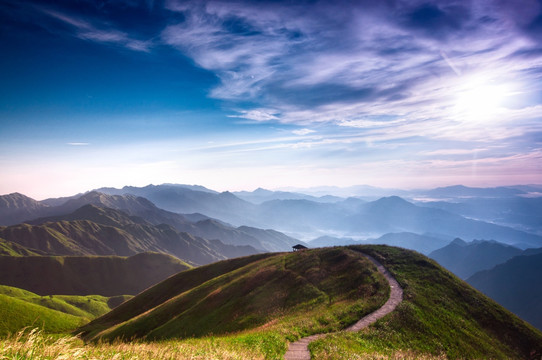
pixel 267 300
pixel 16 314
pixel 251 307
pixel 300 293
pixel 440 316
pixel 53 314
pixel 84 275
pixel 8 248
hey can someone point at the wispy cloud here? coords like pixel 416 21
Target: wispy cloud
pixel 100 33
pixel 78 144
pixel 257 114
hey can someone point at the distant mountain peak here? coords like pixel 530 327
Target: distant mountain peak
pixel 459 242
pixel 392 201
pixel 15 200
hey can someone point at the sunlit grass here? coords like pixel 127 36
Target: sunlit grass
pixel 440 317
pixel 36 345
pixel 269 341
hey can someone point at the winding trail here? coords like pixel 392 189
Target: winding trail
pixel 299 350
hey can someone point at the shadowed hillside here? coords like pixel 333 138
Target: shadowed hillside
pixel 84 275
pixel 515 285
pixel 464 259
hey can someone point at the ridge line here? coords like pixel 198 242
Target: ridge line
pixel 299 350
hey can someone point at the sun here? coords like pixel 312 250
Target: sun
pixel 480 101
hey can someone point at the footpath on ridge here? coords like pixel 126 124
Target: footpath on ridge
pixel 299 350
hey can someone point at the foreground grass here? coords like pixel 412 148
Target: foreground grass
pixel 440 316
pixel 37 346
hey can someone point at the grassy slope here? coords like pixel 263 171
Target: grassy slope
pixel 56 313
pixel 12 249
pixel 285 295
pixel 84 275
pixel 440 316
pixel 16 314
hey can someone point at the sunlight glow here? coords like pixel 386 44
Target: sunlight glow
pixel 480 101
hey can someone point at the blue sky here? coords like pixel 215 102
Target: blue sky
pixel 241 94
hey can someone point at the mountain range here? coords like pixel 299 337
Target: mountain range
pixel 422 243
pixel 350 217
pixel 465 259
pixel 92 230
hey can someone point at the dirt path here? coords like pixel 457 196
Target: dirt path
pixel 299 350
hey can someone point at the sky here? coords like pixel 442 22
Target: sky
pixel 235 95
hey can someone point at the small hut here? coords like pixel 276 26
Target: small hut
pixel 299 247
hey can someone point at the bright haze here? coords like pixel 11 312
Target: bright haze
pixel 240 94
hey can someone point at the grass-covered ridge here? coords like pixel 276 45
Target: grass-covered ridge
pixel 440 316
pixel 52 314
pixel 285 296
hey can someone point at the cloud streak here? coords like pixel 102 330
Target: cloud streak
pixel 100 33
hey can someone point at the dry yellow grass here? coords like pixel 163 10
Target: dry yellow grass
pixel 35 345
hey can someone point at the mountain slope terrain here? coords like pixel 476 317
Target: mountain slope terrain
pixel 336 286
pixel 515 285
pixel 139 210
pixel 86 275
pixel 53 314
pixel 441 316
pixel 112 232
pixel 278 298
pixel 464 259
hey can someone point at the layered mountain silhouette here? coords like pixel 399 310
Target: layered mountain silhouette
pixel 260 195
pixel 135 206
pixel 521 213
pixel 350 217
pixel 16 208
pixel 189 199
pixel 515 285
pixel 92 230
pixel 464 259
pixel 422 243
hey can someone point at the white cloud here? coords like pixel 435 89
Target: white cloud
pixel 303 132
pixel 257 115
